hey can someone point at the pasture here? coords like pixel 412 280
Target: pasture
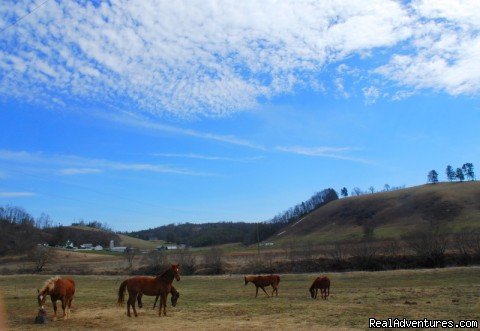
pixel 223 302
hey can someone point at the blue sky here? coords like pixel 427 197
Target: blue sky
pixel 143 115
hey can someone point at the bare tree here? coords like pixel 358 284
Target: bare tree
pixel 338 253
pixel 187 262
pixel 356 191
pixel 371 189
pixel 156 260
pixel 462 243
pixel 130 256
pixel 429 242
pixel 214 260
pixel 41 255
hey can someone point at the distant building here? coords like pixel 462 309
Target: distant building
pixel 170 247
pixel 86 246
pixel 98 248
pixel 267 244
pixel 113 248
pixel 69 245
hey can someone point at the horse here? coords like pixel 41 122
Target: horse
pixel 174 298
pixel 159 285
pixel 262 281
pixel 322 283
pixel 58 288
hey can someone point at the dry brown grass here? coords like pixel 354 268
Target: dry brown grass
pixel 223 302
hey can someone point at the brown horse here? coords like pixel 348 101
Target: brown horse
pixel 174 298
pixel 160 285
pixel 58 288
pixel 322 283
pixel 262 281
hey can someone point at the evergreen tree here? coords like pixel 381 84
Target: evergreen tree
pixel 468 171
pixel 451 175
pixel 459 174
pixel 344 192
pixel 433 177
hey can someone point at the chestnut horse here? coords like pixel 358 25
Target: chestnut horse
pixel 322 283
pixel 160 285
pixel 58 288
pixel 175 295
pixel 262 281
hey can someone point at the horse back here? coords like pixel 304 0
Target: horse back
pixel 147 285
pixel 322 282
pixel 266 280
pixel 64 287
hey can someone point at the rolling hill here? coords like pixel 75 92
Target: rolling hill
pixel 391 214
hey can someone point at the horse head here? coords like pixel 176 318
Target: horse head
pixel 175 296
pixel 41 297
pixel 176 271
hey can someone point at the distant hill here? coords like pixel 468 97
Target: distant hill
pixel 209 234
pixel 391 214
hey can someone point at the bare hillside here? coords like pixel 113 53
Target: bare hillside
pixel 390 213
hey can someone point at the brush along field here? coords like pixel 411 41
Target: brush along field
pixel 223 302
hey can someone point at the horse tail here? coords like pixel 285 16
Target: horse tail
pixel 121 292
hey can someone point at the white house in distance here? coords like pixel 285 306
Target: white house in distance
pixel 170 247
pixel 120 249
pixel 86 246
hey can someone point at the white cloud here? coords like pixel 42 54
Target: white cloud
pixel 6 195
pixel 81 165
pixel 209 157
pixel 79 171
pixel 371 94
pixel 186 58
pixel 340 153
pixel 445 54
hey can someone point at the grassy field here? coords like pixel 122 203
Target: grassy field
pixel 223 302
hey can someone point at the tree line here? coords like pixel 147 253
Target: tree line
pixel 21 232
pixel 465 172
pixel 209 234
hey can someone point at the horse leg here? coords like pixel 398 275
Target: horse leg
pixel 54 304
pixel 263 288
pixel 316 293
pixel 155 302
pixel 64 305
pixel 69 305
pixel 160 304
pixel 133 305
pixel 256 293
pixel 139 299
pixel 164 299
pixel 128 304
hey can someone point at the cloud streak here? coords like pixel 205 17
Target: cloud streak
pixel 209 157
pixel 323 151
pixel 7 195
pixel 76 165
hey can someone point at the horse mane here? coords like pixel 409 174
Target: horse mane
pixel 164 274
pixel 50 284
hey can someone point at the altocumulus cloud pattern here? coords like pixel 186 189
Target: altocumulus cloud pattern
pixel 214 58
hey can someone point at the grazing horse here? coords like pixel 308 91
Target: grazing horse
pixel 262 281
pixel 322 283
pixel 58 288
pixel 174 298
pixel 160 285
